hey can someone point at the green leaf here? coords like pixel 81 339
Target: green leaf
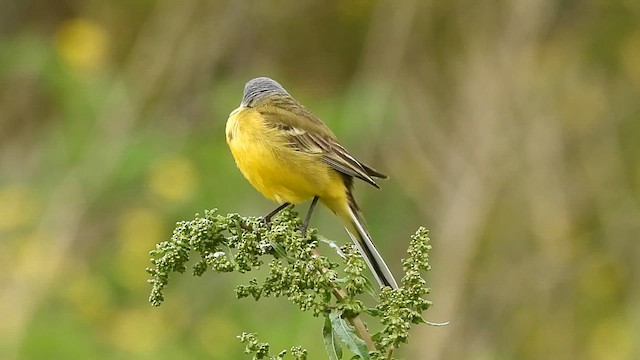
pixel 347 335
pixel 334 350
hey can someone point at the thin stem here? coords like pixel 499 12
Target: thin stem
pixel 356 321
pixel 390 353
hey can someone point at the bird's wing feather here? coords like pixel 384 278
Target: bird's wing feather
pixel 314 137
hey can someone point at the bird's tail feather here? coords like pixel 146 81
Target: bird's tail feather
pixel 360 236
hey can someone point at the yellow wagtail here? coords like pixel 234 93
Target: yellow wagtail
pixel 290 156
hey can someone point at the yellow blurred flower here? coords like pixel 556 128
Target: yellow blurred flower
pixel 173 178
pixel 31 258
pixel 24 272
pixel 83 43
pixel 138 232
pixel 89 295
pixel 612 339
pixel 17 206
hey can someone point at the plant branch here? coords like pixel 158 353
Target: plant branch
pixel 297 272
pixel 356 321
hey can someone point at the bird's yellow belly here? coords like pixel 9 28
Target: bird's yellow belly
pixel 275 169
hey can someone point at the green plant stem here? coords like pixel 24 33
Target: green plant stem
pixel 390 353
pixel 356 321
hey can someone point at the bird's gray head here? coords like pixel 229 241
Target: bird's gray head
pixel 258 89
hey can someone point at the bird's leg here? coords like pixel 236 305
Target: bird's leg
pixel 305 224
pixel 267 218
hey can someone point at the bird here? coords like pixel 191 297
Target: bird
pixel 291 156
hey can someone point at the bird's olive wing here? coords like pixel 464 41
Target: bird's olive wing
pixel 316 138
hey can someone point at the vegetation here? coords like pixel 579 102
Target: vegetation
pixel 300 274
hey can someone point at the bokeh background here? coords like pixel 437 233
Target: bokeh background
pixel 510 129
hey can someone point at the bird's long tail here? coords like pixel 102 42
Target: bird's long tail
pixel 358 232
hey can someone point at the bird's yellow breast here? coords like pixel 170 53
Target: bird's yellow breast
pixel 278 171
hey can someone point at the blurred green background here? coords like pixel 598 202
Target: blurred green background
pixel 511 129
